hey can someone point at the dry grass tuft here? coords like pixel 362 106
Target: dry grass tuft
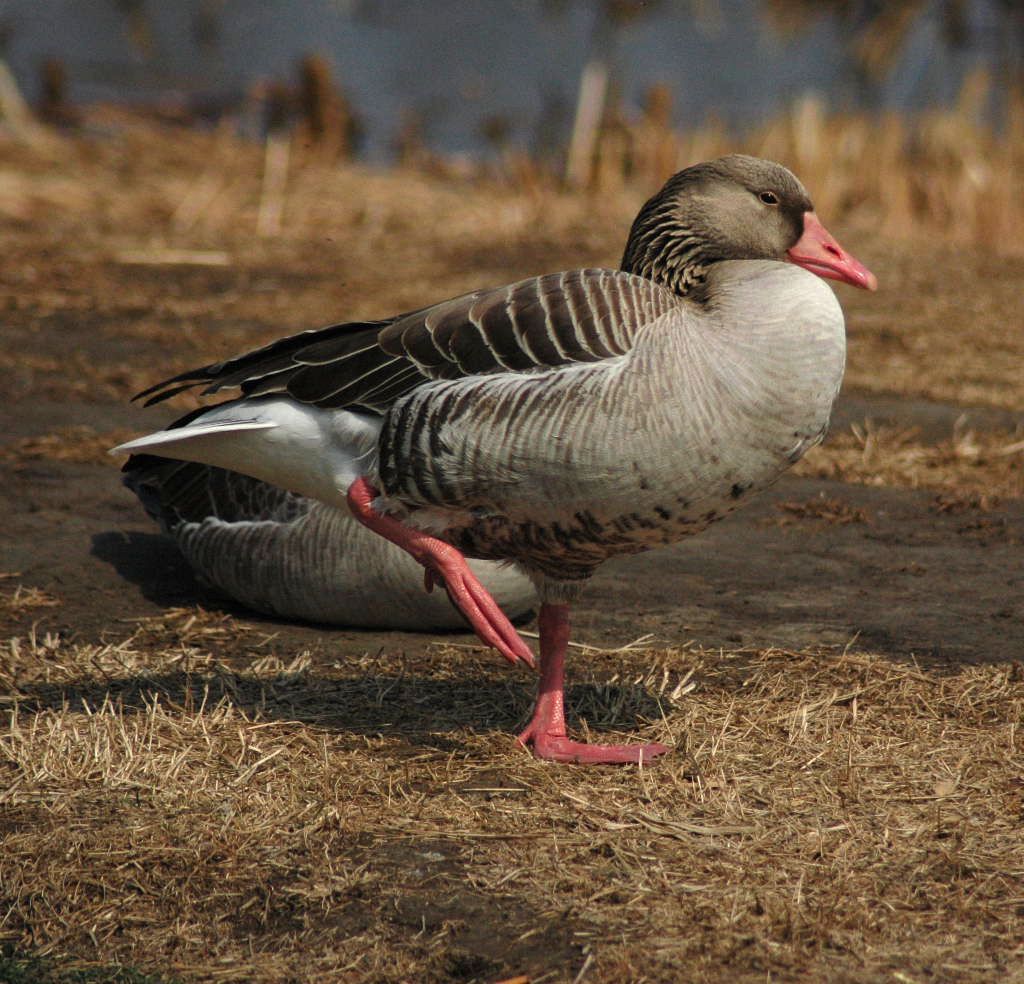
pixel 968 467
pixel 825 814
pixel 23 599
pixel 832 511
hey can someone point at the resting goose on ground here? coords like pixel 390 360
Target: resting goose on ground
pixel 288 555
pixel 561 420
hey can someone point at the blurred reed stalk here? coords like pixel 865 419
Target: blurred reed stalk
pixel 943 172
pixel 275 179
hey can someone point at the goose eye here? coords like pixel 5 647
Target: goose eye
pixel 769 197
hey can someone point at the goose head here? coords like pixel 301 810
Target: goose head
pixel 733 208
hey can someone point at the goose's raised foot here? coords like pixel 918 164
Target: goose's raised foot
pixel 561 748
pixel 444 563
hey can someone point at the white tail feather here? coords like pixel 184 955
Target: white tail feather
pixel 318 453
pixel 166 440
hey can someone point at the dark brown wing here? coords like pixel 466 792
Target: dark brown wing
pixel 267 369
pixel 543 322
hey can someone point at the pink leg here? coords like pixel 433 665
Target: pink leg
pixel 546 730
pixel 446 563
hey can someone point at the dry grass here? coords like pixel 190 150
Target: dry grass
pixel 24 599
pixel 943 172
pixel 826 815
pixel 985 466
pixel 832 511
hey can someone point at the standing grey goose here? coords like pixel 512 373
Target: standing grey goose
pixel 564 419
pixel 288 555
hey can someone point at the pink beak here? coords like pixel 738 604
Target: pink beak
pixel 818 252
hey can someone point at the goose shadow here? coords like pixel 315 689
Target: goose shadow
pixel 417 708
pixel 156 567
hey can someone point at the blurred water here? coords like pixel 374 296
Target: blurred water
pixel 458 63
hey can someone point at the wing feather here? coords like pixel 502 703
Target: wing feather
pixel 540 323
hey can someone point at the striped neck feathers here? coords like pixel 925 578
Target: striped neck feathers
pixel 670 254
pixel 711 212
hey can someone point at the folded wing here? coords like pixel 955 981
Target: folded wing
pixel 540 323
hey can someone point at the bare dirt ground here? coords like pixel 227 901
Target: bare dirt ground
pixel 197 793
